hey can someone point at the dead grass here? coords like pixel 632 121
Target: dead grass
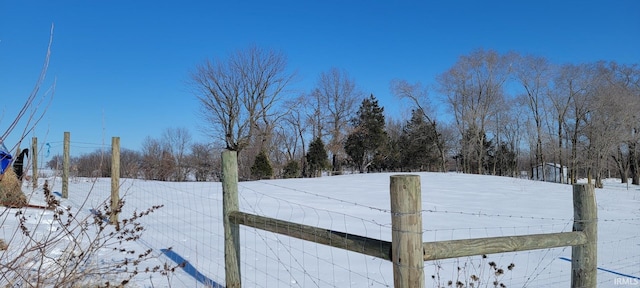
pixel 11 194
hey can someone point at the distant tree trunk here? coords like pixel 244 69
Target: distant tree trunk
pixel 599 171
pixel 560 160
pixel 534 73
pixel 622 165
pixel 481 153
pixel 334 164
pixel 574 153
pixel 634 163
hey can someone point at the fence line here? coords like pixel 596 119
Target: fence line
pixel 408 273
pixel 233 218
pixel 616 259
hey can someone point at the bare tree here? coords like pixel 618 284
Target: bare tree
pixel 152 152
pixel 574 88
pixel 130 162
pixel 291 131
pixel 628 80
pixel 239 91
pixel 619 99
pixel 600 126
pixel 514 133
pixel 204 164
pixel 474 91
pixel 35 105
pixel 177 142
pixel 419 97
pixel 94 164
pixel 315 117
pixel 534 74
pixel 568 83
pixel 337 96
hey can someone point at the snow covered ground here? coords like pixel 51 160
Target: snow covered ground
pixel 455 206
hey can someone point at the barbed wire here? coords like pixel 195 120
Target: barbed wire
pixel 621 240
pixel 479 213
pixel 517 227
pixel 325 196
pixel 621 220
pixel 316 208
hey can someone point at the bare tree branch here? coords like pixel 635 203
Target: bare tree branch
pixel 36 113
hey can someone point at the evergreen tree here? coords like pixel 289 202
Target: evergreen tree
pixel 389 155
pixel 317 158
pixel 419 144
pixel 368 136
pixel 291 169
pixel 503 161
pixel 261 168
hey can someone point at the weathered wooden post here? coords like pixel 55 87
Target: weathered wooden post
pixel 115 180
pixel 584 258
pixel 34 162
pixel 65 165
pixel 406 231
pixel 231 230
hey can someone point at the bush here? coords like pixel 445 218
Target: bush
pixel 261 168
pixel 291 169
pixel 317 158
pixel 70 254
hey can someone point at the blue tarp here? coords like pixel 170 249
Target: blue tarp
pixel 5 158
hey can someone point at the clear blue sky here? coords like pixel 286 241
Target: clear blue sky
pixel 121 66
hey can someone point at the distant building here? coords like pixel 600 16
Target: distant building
pixel 550 172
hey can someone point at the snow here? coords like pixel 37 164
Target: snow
pixel 455 206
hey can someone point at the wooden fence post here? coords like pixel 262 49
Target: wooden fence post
pixel 584 258
pixel 34 162
pixel 231 230
pixel 406 231
pixel 115 180
pixel 65 165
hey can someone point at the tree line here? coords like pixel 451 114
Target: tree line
pixel 489 113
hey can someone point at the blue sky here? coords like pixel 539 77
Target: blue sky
pixel 121 66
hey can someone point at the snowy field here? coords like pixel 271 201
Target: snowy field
pixel 455 206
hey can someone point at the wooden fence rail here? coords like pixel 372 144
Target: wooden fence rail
pixel 406 250
pixel 351 242
pixel 491 245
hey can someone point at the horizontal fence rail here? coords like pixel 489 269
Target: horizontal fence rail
pixel 351 242
pixel 491 245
